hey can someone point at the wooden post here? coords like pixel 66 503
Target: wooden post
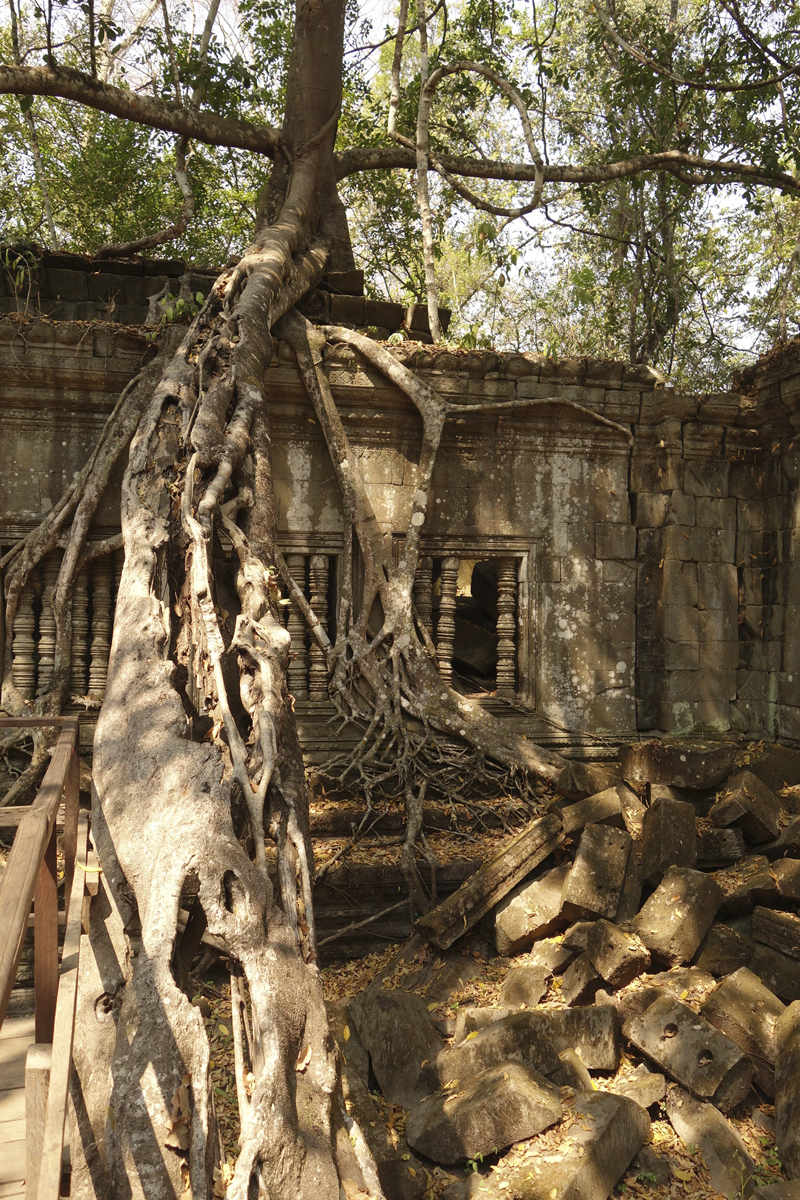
pixel 71 809
pixel 446 629
pixel 45 943
pixel 506 628
pixel 37 1082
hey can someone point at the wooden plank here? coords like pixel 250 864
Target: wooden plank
pixel 37 1083
pixel 15 1190
pixel 12 1074
pixel 492 882
pixel 72 807
pixel 12 1104
pixel 45 943
pixel 11 818
pixel 50 1168
pixel 32 722
pixel 12 1162
pixel 18 880
pixel 12 1131
pixel 14 1027
pixel 14 1049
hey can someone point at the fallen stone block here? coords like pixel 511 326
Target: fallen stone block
pixel 749 804
pixel 604 808
pixel 448 975
pixel 692 1052
pixel 779 972
pixel 576 938
pixel 630 898
pixel 606 1134
pixel 678 915
pixel 523 987
pixel 746 1012
pixel 787 1089
pixel 780 930
pixel 473 1017
pixel 595 882
pixel 397 1032
pixel 719 847
pixel 492 882
pixel 484 1114
pixel 669 838
pixel 776 765
pixel 783 1190
pixel 572 1072
pixel 651 1168
pixel 579 780
pixel 552 956
pixel 787 844
pixel 786 873
pixel 632 811
pixel 753 883
pixel 593 1031
pixel 521 1037
pixel 644 1087
pixel 397 1181
pixel 580 981
pixel 701 801
pixel 723 951
pixel 730 1166
pixel 616 955
pixel 686 764
pixel 530 910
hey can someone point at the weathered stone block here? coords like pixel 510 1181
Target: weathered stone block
pixel 530 911
pixel 746 1012
pixel 617 956
pixel 486 1113
pixel 780 930
pixel 521 1037
pixel 523 987
pixel 787 1089
pixel 719 656
pixel 753 884
pixel 473 1017
pixel 572 1072
pixel 677 623
pixel 786 873
pixel 719 847
pixel 669 838
pixel 397 1032
pixel 779 972
pixel 604 808
pixel 580 981
pixel 594 1031
pixel 716 513
pixel 579 780
pixel 749 804
pixel 777 766
pixel 706 477
pixel 724 1153
pixel 595 883
pixel 676 918
pixel 723 951
pixel 692 1052
pixel 694 764
pixel 615 541
pixel 644 1087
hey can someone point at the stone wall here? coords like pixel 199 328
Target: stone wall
pixel 651 534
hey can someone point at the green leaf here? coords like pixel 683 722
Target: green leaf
pixel 25 103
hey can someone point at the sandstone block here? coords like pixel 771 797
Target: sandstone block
pixel 630 898
pixel 676 918
pixel 473 1017
pixel 692 1052
pixel 725 1154
pixel 757 887
pixel 783 1190
pixel 779 972
pixel 615 541
pixel 748 803
pixel 723 951
pixel 572 1073
pixel 397 1032
pixel 551 955
pixel 746 1012
pixel 617 956
pixel 787 1089
pixel 595 883
pixel 529 911
pixel 604 808
pixel 644 1087
pixel 486 1113
pixel 579 780
pixel 777 766
pixel 689 764
pixel 719 847
pixel 523 987
pixel 786 873
pixel 780 930
pixel 521 1037
pixel 594 1031
pixel 669 838
pixel 786 844
pixel 580 981
pixel 395 1178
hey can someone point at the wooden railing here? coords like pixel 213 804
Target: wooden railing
pixel 30 876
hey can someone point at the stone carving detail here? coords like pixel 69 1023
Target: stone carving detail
pixel 423 599
pixel 47 621
pixel 317 666
pixel 23 668
pixel 506 627
pixel 446 630
pixel 79 670
pixel 102 575
pixel 296 624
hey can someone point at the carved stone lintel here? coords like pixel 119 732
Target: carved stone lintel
pixel 23 667
pixel 446 629
pixel 317 666
pixel 79 654
pixel 506 628
pixel 296 624
pixel 102 575
pixel 47 621
pixel 423 599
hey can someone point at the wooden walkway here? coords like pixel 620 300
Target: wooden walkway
pixel 16 1034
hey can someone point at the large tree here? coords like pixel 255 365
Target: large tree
pixel 168 809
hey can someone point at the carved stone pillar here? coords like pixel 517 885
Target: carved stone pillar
pixel 506 628
pixel 446 629
pixel 423 600
pixel 317 666
pixel 47 621
pixel 296 624
pixel 102 575
pixel 79 672
pixel 23 647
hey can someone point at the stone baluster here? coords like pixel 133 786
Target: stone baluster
pixel 296 624
pixel 506 628
pixel 79 673
pixel 317 666
pixel 47 621
pixel 423 599
pixel 23 647
pixel 102 575
pixel 446 628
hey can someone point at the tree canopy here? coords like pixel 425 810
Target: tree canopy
pixel 631 107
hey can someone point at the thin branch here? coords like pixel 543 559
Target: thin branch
pixel 397 63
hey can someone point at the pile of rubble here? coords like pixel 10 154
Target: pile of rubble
pixel 649 933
